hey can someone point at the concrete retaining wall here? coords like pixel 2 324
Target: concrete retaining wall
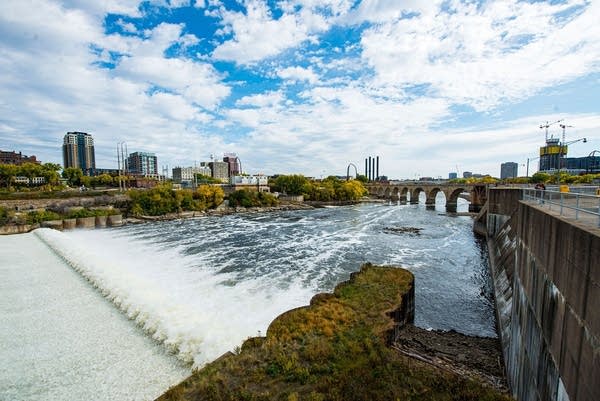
pixel 546 274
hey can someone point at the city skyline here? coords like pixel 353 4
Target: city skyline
pixel 296 88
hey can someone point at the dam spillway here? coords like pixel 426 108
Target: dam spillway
pixel 61 340
pixel 194 289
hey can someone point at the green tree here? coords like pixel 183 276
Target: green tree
pixel 8 172
pixel 73 175
pixel 540 177
pixel 291 184
pixel 362 178
pixel 50 173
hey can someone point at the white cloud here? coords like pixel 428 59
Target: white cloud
pixel 267 99
pixel 50 75
pixel 484 56
pixel 296 74
pixel 126 26
pixel 257 35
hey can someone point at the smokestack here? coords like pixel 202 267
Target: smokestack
pixel 366 170
pixel 377 176
pixel 373 169
pixel 369 175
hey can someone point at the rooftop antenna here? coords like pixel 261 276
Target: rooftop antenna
pixel 548 125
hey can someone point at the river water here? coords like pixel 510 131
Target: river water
pixel 199 287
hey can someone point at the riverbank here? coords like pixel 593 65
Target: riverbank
pixel 347 345
pixel 91 223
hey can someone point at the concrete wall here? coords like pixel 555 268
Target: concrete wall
pixel 546 274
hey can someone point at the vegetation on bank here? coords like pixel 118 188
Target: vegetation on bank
pixel 335 349
pixel 328 189
pixel 246 198
pixel 163 199
pixel 39 216
pixel 10 172
pixel 562 178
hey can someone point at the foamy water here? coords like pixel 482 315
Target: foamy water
pixel 201 286
pixel 61 340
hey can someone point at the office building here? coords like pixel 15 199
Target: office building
pixel 219 170
pixel 78 151
pixel 234 165
pixel 185 175
pixel 452 176
pixel 467 174
pixel 142 163
pixel 16 158
pixel 509 170
pixel 581 165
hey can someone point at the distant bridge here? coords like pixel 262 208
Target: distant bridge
pixel 409 191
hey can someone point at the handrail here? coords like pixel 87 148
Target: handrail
pixel 569 204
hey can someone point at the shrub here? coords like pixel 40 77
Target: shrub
pixel 248 198
pixel 39 216
pixel 4 216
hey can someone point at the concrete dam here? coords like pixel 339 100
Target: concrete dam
pixel 546 273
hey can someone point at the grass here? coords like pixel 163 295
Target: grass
pixel 334 349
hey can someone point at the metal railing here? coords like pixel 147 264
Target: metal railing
pixel 576 205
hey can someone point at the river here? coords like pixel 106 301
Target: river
pixel 197 288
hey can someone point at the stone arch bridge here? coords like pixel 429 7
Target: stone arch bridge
pixel 409 192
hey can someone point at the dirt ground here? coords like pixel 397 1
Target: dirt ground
pixel 476 357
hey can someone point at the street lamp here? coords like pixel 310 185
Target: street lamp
pixel 528 160
pixel 120 164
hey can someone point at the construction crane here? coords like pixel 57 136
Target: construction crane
pixel 548 125
pixel 564 128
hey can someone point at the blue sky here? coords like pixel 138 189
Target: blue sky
pixel 302 86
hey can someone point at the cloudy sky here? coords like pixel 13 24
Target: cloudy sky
pixel 302 86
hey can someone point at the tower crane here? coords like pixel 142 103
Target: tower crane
pixel 548 125
pixel 564 127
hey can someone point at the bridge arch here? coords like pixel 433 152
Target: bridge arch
pixel 430 196
pixel 414 195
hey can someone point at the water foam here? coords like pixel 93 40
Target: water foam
pixel 185 306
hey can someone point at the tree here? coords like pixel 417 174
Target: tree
pixel 30 170
pixel 7 174
pixel 362 178
pixel 540 177
pixel 291 184
pixel 73 175
pixel 50 173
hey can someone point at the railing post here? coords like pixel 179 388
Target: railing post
pixel 599 211
pixel 562 197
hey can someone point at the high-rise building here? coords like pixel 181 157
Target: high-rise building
pixel 234 164
pixel 552 154
pixel 78 151
pixel 142 163
pixel 452 176
pixel 509 170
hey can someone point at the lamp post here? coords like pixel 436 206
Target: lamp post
pixel 120 164
pixel 528 160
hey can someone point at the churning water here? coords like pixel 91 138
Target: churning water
pixel 201 286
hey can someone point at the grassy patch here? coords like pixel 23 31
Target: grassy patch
pixel 334 349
